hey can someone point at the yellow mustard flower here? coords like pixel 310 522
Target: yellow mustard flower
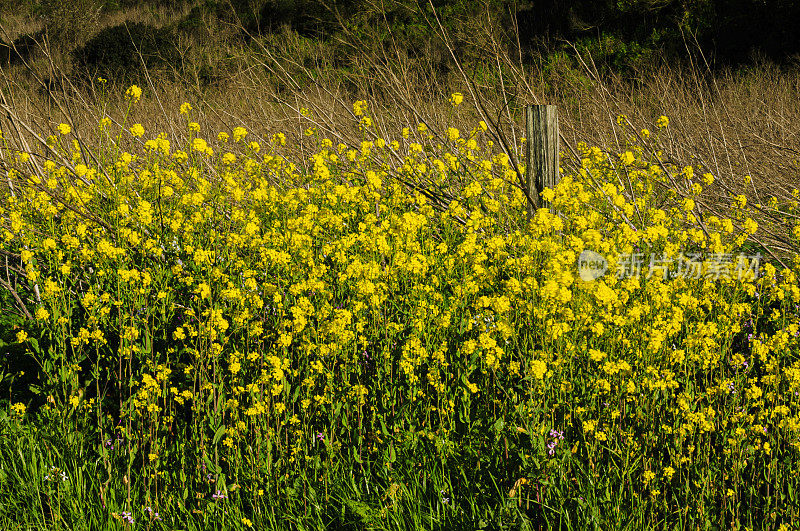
pixel 359 107
pixel 134 93
pixel 239 133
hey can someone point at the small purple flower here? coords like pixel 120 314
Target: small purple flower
pixel 128 517
pixel 551 448
pixel 557 437
pixel 320 436
pixel 219 495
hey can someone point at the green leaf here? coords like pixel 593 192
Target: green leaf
pixel 218 434
pixel 214 469
pixel 360 509
pixel 35 344
pixel 499 425
pixel 133 453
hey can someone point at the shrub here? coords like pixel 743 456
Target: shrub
pixel 69 22
pixel 115 51
pixel 21 50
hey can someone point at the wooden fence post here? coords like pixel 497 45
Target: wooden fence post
pixel 541 153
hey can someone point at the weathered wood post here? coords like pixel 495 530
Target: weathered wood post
pixel 541 153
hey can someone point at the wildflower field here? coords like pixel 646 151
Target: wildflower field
pixel 218 338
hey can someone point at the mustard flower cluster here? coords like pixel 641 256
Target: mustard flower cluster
pixel 240 311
